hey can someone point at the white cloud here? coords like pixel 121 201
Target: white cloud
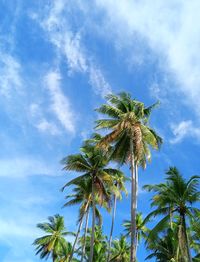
pixel 99 83
pixel 40 122
pixel 60 103
pixel 74 54
pixel 170 28
pixel 10 75
pixel 184 129
pixel 22 166
pixel 68 44
pixel 45 126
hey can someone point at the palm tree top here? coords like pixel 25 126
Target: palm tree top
pixel 127 120
pixel 121 104
pixel 54 241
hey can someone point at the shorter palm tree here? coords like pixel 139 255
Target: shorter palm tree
pixel 194 233
pixel 53 243
pixel 141 229
pixel 120 250
pixel 100 245
pixel 164 249
pixel 175 197
pixel 92 162
pixel 65 252
pixel 81 195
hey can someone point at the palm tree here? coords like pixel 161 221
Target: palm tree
pixel 82 196
pixel 131 137
pixel 176 196
pixel 120 250
pixel 119 186
pixel 100 245
pixel 64 253
pixel 93 163
pixel 53 242
pixel 141 229
pixel 194 239
pixel 164 248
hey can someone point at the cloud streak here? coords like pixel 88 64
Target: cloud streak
pixel 68 45
pixel 185 129
pixel 60 104
pixel 10 75
pixel 23 166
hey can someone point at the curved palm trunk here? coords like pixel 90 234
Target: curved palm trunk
pixel 112 226
pixel 78 232
pixel 183 241
pixel 133 205
pixel 93 223
pixel 84 240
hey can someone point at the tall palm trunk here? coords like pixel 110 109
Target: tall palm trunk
pixel 85 233
pixel 93 223
pixel 137 243
pixel 136 196
pixel 78 232
pixel 183 241
pixel 133 205
pixel 112 226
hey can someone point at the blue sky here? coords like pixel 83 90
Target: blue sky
pixel 58 59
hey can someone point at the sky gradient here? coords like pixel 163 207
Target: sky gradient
pixel 58 60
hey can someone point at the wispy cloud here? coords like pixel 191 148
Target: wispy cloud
pixel 167 28
pixel 68 45
pixel 60 104
pixel 38 119
pixel 10 79
pixel 184 129
pixel 48 127
pixel 98 81
pixel 23 166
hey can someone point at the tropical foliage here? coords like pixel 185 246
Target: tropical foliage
pixel 53 243
pixel 170 232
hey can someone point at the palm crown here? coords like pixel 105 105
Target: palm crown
pixel 128 120
pixel 176 196
pixel 54 242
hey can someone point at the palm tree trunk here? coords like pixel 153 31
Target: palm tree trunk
pixel 186 239
pixel 136 196
pixel 133 205
pixel 85 233
pixel 78 232
pixel 93 223
pixel 112 226
pixel 183 241
pixel 136 245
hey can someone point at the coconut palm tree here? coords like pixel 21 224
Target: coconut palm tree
pixel 164 248
pixel 81 195
pixel 194 236
pixel 131 137
pixel 100 245
pixel 141 229
pixel 64 253
pixel 120 250
pixel 93 163
pixel 53 242
pixel 176 196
